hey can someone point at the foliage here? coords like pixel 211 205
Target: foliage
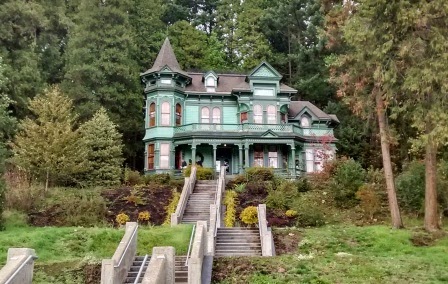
pixel 135 197
pixel 204 173
pixel 132 178
pixel 48 146
pixel 163 178
pixel 348 177
pixel 259 173
pixel 411 187
pixel 282 196
pixel 239 188
pixel 144 216
pixel 122 218
pixel 310 217
pixel 101 140
pixel 291 213
pixel 249 215
pixel 21 194
pixel 230 203
pixel 303 185
pixel 369 200
pixel 171 208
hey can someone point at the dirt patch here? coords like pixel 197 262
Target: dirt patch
pixel 422 238
pixel 131 201
pixel 92 273
pixel 47 217
pixel 286 241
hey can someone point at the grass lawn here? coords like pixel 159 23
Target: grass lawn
pixel 345 254
pixel 64 251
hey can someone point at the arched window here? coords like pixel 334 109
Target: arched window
pixel 216 115
pixel 152 115
pixel 258 114
pixel 150 165
pixel 178 114
pixel 165 121
pixel 305 121
pixel 210 82
pixel 272 115
pixel 205 115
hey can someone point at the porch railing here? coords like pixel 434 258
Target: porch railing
pixel 252 127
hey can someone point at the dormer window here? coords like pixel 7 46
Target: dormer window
pixel 305 121
pixel 210 82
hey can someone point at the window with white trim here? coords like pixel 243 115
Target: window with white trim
pixel 165 119
pixel 273 156
pixel 305 121
pixel 264 92
pixel 258 114
pixel 272 114
pixel 164 156
pixel 216 115
pixel 205 115
pixel 258 156
pixel 309 160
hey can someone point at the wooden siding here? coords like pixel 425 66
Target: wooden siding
pixel 191 114
pixel 229 115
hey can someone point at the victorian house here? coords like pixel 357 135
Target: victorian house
pixel 241 120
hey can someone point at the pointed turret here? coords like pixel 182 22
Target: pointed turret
pixel 166 58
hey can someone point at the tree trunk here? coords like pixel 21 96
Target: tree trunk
pixel 387 165
pixel 431 215
pixel 46 181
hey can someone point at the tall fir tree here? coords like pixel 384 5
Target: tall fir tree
pixel 102 141
pixel 47 146
pixel 101 71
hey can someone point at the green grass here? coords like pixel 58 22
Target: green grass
pixel 64 251
pixel 374 254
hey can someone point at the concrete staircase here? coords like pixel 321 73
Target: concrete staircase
pixel 180 270
pixel 238 242
pixel 198 204
pixel 133 271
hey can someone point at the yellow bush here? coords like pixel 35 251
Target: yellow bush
pixel 249 215
pixel 144 216
pixel 291 213
pixel 230 202
pixel 369 200
pixel 122 218
pixel 171 208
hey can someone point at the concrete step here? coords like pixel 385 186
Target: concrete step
pixel 235 254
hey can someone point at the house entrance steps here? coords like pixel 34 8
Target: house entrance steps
pixel 199 201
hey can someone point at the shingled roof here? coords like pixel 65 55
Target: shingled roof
pixel 166 57
pixel 295 107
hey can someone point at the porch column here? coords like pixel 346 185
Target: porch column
pixel 173 157
pixel 240 148
pixel 293 160
pixel 214 157
pixel 246 153
pixel 193 154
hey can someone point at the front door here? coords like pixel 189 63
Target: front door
pixel 224 156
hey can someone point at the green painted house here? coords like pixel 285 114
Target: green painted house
pixel 239 120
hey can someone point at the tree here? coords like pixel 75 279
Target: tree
pixel 102 141
pixel 362 75
pixel 101 71
pixel 47 145
pixel 227 12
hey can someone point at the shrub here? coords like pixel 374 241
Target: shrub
pixel 201 173
pixel 132 177
pixel 411 187
pixel 283 196
pixel 230 202
pixel 303 185
pixel 122 218
pixel 20 194
pixel 310 217
pixel 134 197
pixel 239 188
pixel 161 179
pixel 369 201
pixel 171 208
pixel 348 177
pixel 291 213
pixel 204 173
pixel 259 173
pixel 256 187
pixel 249 215
pixel 144 216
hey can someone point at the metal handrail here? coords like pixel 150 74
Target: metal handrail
pixel 189 246
pixel 126 248
pixel 20 268
pixel 141 269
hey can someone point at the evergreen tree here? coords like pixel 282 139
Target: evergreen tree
pixel 20 25
pixel 47 145
pixel 102 141
pixel 226 26
pixel 101 71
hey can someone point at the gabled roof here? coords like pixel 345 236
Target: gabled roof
pixel 165 58
pixel 295 107
pixel 265 70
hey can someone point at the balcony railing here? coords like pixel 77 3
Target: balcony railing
pixel 252 127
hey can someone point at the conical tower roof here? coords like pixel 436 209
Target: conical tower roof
pixel 166 57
